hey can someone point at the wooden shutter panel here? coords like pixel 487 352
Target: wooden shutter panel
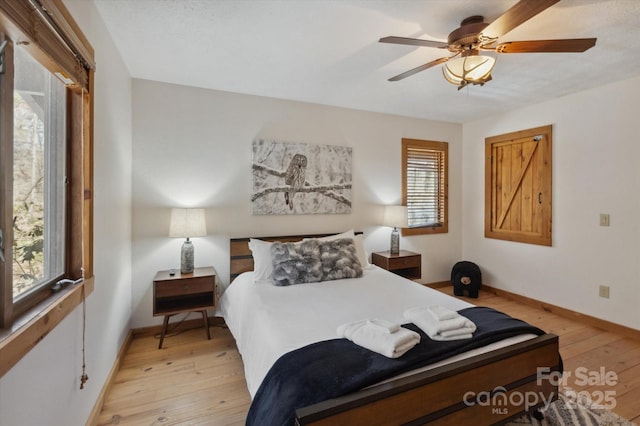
pixel 518 186
pixel 425 185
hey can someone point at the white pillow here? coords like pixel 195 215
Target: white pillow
pixel 346 234
pixel 262 265
pixel 362 255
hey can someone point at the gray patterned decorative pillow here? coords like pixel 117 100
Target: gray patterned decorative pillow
pixel 339 259
pixel 296 263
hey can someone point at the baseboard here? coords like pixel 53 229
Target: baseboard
pixel 566 313
pixel 438 284
pixel 97 407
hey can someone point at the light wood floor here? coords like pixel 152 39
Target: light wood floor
pixel 201 382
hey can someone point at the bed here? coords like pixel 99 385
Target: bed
pixel 485 385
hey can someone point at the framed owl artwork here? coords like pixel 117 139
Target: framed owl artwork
pixel 300 178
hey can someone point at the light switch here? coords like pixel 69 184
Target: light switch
pixel 604 291
pixel 604 219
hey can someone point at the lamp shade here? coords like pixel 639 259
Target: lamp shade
pixel 469 68
pixel 187 223
pixel 395 216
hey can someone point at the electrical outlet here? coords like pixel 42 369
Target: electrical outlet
pixel 604 219
pixel 604 291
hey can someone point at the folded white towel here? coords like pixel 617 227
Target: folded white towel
pixel 461 333
pixel 441 313
pixel 388 326
pixel 376 338
pixel 449 329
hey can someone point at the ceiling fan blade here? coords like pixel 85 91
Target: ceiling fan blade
pixel 418 69
pixel 553 46
pixel 518 14
pixel 413 42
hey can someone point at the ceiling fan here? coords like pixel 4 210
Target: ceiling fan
pixel 467 65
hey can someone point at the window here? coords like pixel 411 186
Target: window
pixel 46 207
pixel 518 186
pixel 39 113
pixel 425 186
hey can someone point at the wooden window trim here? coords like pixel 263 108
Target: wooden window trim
pixel 438 146
pixel 53 38
pixel 6 221
pixel 51 35
pixel 67 26
pixel 34 325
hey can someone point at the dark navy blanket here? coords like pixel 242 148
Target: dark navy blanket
pixel 333 368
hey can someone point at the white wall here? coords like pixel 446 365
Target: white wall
pixel 43 388
pixel 192 148
pixel 596 170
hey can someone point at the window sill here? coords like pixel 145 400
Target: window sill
pixel 424 230
pixel 31 327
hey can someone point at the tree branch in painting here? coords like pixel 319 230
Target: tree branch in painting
pixel 267 169
pixel 326 190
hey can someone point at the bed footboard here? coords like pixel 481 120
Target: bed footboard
pixel 485 389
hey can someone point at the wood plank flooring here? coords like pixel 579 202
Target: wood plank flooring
pixel 201 382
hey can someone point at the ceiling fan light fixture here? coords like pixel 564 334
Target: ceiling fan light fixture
pixel 471 67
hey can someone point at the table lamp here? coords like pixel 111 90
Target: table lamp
pixel 187 223
pixel 396 217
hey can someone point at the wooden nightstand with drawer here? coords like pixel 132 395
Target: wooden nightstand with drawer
pixel 174 294
pixel 406 263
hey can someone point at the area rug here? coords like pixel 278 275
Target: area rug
pixel 570 412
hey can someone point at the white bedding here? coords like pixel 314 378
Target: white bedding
pixel 268 321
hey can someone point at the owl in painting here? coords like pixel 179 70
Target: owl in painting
pixel 295 177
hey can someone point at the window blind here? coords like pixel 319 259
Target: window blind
pixel 425 168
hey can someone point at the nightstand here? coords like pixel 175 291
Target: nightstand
pixel 174 294
pixel 406 263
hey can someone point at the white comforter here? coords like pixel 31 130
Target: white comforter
pixel 269 321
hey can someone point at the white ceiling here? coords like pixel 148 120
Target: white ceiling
pixel 327 52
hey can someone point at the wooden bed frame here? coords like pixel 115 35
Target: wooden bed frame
pixel 490 388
